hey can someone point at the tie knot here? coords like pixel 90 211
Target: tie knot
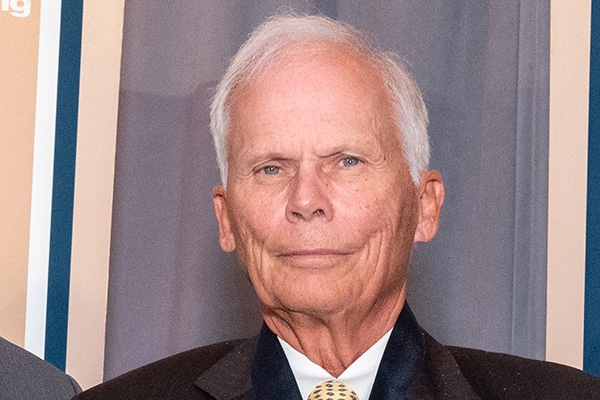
pixel 332 390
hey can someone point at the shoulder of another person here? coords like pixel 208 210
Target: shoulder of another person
pixel 168 378
pixel 503 376
pixel 24 375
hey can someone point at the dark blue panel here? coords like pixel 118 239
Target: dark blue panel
pixel 63 182
pixel 591 343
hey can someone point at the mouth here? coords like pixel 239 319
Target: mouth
pixel 313 253
pixel 317 260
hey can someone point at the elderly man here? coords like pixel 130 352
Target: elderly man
pixel 323 149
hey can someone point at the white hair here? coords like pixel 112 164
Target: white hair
pixel 268 45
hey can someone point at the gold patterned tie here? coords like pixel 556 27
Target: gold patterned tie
pixel 332 390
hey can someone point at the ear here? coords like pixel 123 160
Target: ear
pixel 431 197
pixel 226 237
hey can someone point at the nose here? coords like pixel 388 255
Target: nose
pixel 308 198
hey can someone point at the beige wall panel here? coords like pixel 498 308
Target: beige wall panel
pixel 98 102
pixel 18 72
pixel 569 89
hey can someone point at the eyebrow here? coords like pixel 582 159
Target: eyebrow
pixel 260 158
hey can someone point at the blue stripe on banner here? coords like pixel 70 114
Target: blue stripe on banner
pixel 591 340
pixel 63 182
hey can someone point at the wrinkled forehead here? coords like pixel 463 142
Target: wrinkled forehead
pixel 333 96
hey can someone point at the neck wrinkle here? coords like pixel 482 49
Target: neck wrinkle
pixel 337 341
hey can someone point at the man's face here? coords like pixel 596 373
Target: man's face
pixel 319 203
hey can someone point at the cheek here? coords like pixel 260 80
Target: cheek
pixel 383 218
pixel 266 214
pixel 364 209
pixel 255 222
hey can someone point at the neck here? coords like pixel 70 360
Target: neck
pixel 335 341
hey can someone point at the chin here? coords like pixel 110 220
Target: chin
pixel 318 306
pixel 307 293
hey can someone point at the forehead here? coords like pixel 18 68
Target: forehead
pixel 311 62
pixel 313 84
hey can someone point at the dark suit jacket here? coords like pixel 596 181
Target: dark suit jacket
pixel 226 371
pixel 25 376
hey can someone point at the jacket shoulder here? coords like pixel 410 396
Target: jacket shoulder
pixel 25 376
pixel 171 377
pixel 503 376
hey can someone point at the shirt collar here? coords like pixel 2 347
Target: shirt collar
pixel 360 375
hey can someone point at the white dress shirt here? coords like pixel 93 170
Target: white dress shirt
pixel 360 375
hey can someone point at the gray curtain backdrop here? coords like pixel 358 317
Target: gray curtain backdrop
pixel 483 69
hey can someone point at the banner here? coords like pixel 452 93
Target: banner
pixel 40 47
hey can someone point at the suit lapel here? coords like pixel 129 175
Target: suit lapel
pixel 415 366
pixel 259 363
pixel 402 359
pixel 440 376
pixel 230 378
pixel 272 376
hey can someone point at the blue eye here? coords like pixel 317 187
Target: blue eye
pixel 271 170
pixel 350 161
